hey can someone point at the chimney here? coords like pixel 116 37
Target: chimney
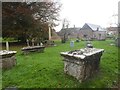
pixel 97 28
pixel 74 26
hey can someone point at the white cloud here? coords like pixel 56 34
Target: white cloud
pixel 79 12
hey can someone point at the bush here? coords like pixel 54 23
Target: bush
pixel 8 39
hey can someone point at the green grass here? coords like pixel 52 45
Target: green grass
pixel 45 70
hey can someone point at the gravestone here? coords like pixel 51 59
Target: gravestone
pixel 41 44
pixel 71 43
pixel 27 42
pixel 33 41
pixel 7 46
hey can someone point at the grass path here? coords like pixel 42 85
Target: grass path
pixel 45 70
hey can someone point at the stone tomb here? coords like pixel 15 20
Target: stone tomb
pixel 8 59
pixel 82 63
pixel 28 49
pixel 33 48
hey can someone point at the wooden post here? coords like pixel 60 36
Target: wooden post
pixel 7 45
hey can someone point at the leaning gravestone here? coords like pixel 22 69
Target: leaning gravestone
pixel 82 63
pixel 33 41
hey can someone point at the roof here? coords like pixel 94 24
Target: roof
pixel 92 27
pixel 112 28
pixel 69 31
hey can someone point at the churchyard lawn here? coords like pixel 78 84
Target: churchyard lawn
pixel 45 70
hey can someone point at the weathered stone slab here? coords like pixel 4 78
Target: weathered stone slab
pixel 82 63
pixel 8 59
pixel 26 50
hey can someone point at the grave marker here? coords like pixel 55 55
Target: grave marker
pixel 7 46
pixel 33 42
pixel 28 43
pixel 71 43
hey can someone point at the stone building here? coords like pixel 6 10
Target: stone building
pixel 54 35
pixel 69 33
pixel 92 31
pixel 112 31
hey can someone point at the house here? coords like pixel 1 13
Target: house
pixel 92 31
pixel 69 33
pixel 112 31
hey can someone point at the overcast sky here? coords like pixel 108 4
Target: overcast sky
pixel 97 12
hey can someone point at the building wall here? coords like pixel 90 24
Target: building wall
pixel 99 35
pixel 55 36
pixel 86 32
pixel 72 36
pixel 70 33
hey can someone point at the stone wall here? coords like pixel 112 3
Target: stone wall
pixel 100 35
